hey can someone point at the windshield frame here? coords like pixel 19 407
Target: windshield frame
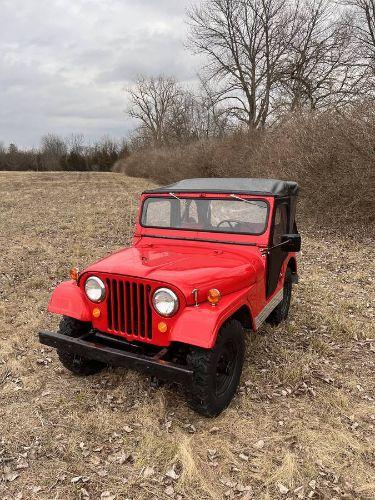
pixel 194 196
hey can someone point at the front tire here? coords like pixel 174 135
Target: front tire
pixel 217 371
pixel 73 362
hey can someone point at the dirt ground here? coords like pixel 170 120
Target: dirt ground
pixel 301 426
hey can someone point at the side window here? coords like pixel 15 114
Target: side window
pixel 280 226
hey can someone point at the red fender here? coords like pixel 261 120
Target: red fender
pixel 69 300
pixel 199 325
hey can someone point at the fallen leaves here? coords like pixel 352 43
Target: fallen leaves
pixel 190 428
pixel 102 472
pixel 21 462
pixel 236 489
pixel 112 429
pixel 10 476
pixel 259 444
pixel 107 495
pixel 148 472
pixel 78 479
pixel 169 491
pixel 172 474
pixel 282 489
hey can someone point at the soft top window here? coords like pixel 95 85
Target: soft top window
pixel 215 215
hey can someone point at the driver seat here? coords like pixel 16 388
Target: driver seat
pixel 191 223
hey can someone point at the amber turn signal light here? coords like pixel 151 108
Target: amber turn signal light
pixel 96 312
pixel 74 273
pixel 162 327
pixel 213 296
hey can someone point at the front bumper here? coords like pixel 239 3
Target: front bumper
pixel 99 347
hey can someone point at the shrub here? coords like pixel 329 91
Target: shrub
pixel 331 155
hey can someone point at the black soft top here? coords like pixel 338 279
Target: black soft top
pixel 267 187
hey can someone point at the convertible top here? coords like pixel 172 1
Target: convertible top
pixel 267 187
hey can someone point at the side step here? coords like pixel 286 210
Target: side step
pixel 93 349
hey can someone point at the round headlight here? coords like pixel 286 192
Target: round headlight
pixel 165 302
pixel 95 289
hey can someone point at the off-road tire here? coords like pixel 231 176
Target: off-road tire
pixel 281 311
pixel 209 395
pixel 73 362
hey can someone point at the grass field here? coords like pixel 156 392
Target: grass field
pixel 301 426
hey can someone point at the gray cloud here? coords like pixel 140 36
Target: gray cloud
pixel 64 65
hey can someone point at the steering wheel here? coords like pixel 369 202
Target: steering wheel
pixel 230 222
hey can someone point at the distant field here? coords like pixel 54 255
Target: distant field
pixel 302 425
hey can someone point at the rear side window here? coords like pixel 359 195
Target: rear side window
pixel 280 225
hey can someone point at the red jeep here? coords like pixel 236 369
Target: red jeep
pixel 210 259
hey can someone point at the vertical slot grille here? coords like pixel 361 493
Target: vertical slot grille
pixel 128 308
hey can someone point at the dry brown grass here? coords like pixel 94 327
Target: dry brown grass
pixel 304 416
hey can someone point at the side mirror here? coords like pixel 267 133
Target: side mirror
pixel 291 242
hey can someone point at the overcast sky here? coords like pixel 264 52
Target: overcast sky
pixel 64 64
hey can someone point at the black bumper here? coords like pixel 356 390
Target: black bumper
pixel 92 347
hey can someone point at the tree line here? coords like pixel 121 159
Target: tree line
pixel 57 153
pixel 264 60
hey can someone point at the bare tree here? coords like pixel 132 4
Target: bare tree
pixel 153 102
pixel 76 143
pixel 211 118
pixel 364 29
pixel 322 69
pixel 170 113
pixel 12 149
pixel 246 42
pixel 53 149
pixel 52 144
pixel 270 55
pixel 197 116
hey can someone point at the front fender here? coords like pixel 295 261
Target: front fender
pixel 69 300
pixel 199 325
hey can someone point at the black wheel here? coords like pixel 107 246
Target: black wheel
pixel 217 371
pixel 77 364
pixel 281 311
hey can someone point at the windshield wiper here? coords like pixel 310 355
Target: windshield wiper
pixel 247 201
pixel 174 196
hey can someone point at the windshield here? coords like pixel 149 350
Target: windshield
pixel 216 215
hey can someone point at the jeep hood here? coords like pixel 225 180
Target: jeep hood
pixel 187 268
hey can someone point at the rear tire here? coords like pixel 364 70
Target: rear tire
pixel 73 362
pixel 281 311
pixel 217 371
